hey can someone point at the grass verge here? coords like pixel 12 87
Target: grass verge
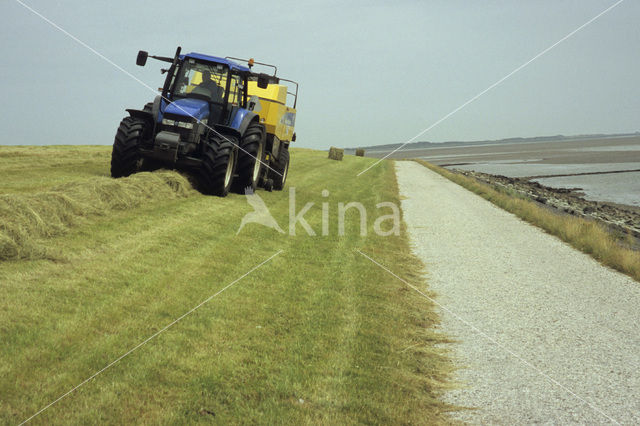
pixel 317 335
pixel 587 236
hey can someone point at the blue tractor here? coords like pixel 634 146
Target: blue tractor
pixel 203 122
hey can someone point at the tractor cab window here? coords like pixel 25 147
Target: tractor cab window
pixel 235 90
pixel 202 80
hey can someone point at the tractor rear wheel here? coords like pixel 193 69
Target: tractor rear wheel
pixel 125 157
pixel 218 165
pixel 250 158
pixel 282 168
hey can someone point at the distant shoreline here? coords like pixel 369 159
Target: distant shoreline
pixel 556 138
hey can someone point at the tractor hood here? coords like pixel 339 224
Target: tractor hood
pixel 196 108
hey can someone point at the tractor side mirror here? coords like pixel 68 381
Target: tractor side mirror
pixel 141 60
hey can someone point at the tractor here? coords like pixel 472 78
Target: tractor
pixel 216 119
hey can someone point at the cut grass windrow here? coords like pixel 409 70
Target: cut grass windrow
pixel 587 236
pixel 27 218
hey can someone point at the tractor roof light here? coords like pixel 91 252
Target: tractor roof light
pixel 250 62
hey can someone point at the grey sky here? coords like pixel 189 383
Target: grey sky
pixel 370 72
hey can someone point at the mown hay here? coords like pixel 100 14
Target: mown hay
pixel 27 218
pixel 336 153
pixel 359 152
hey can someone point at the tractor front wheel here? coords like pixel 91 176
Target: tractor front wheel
pixel 125 157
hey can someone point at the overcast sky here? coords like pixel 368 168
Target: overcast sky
pixel 370 72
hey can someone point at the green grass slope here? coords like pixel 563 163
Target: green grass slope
pixel 316 335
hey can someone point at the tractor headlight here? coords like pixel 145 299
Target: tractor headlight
pixel 183 124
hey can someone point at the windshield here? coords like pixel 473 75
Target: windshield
pixel 202 80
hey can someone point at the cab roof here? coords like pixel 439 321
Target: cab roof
pixel 231 64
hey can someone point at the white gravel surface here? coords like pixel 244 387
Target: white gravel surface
pixel 573 323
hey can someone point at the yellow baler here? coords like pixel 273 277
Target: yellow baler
pixel 278 118
pixel 279 121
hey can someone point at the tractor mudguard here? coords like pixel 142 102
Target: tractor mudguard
pixel 155 109
pixel 144 115
pixel 226 130
pixel 242 120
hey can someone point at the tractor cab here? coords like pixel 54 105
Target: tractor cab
pixel 206 88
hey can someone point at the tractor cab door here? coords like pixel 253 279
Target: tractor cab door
pixel 234 100
pixel 223 91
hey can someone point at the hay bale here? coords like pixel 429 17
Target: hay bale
pixel 336 153
pixel 359 152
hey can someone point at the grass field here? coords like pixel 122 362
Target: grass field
pixel 318 334
pixel 585 235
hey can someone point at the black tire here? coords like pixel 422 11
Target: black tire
pixel 125 157
pixel 251 156
pixel 215 176
pixel 281 166
pixel 150 165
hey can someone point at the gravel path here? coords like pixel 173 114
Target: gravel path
pixel 573 323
